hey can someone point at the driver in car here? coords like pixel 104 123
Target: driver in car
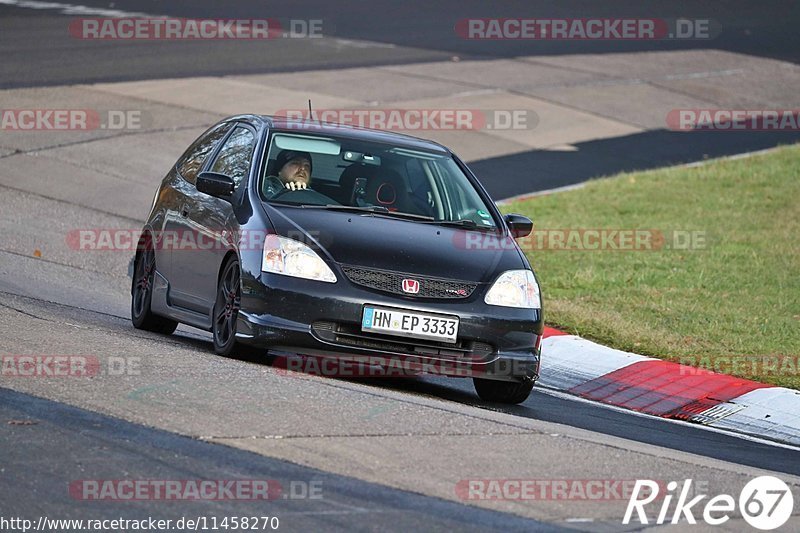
pixel 294 172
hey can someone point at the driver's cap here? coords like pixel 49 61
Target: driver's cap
pixel 287 155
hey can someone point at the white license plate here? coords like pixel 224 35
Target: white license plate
pixel 409 324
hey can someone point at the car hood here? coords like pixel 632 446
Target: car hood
pixel 400 245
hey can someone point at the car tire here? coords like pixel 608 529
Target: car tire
pixel 226 308
pixel 144 270
pixel 511 392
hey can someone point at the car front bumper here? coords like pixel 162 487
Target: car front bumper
pixel 292 315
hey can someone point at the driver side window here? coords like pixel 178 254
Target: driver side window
pixel 236 154
pixel 194 157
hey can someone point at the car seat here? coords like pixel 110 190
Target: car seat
pixel 388 189
pixel 347 182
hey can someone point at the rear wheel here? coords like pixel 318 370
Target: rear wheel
pixel 226 308
pixel 144 271
pixel 511 392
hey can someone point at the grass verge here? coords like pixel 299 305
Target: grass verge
pixel 720 285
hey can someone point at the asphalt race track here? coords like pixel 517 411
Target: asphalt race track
pixel 38 52
pixel 407 32
pixel 98 442
pixel 388 454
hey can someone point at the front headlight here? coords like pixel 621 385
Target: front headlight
pixel 293 258
pixel 515 288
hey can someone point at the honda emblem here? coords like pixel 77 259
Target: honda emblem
pixel 411 286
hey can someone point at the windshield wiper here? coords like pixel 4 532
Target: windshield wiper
pixel 353 208
pixel 464 223
pixel 372 209
pixel 290 204
pixel 369 209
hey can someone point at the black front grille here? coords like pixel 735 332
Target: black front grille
pixel 345 334
pixel 386 281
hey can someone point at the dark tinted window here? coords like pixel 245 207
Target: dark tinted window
pixel 192 160
pixel 235 156
pixel 363 173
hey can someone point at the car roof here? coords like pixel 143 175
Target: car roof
pixel 285 124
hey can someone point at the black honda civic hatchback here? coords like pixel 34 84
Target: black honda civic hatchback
pixel 341 243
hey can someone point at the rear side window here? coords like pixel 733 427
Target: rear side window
pixel 236 154
pixel 192 160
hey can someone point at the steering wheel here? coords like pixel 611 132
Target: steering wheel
pixel 272 185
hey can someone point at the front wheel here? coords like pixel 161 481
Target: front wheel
pixel 144 271
pixel 511 392
pixel 226 308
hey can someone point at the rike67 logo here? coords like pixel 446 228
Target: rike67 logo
pixel 765 503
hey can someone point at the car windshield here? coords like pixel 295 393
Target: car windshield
pixel 376 178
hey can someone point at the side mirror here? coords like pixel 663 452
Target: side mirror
pixel 518 225
pixel 215 184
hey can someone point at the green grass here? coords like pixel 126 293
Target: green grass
pixel 737 297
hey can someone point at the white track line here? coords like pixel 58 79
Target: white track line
pixel 75 9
